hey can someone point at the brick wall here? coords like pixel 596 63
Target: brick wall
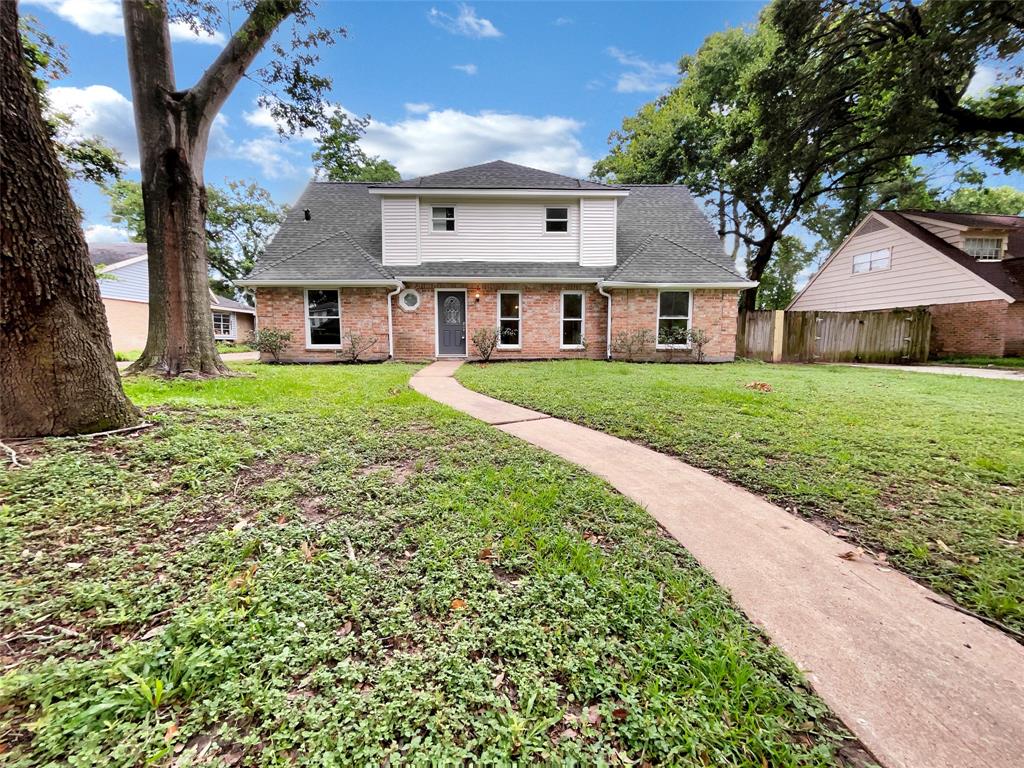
pixel 364 311
pixel 1014 344
pixel 714 311
pixel 969 328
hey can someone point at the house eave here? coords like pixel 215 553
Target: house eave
pixel 740 285
pixel 382 283
pixel 496 280
pixel 488 192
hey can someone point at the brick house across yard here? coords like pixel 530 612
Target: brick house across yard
pixel 123 272
pixel 560 266
pixel 968 269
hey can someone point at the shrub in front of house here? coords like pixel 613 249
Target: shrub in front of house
pixel 270 341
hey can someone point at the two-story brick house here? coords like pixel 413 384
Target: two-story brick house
pixel 560 266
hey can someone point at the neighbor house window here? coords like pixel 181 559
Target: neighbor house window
pixel 984 248
pixel 673 318
pixel 572 319
pixel 443 219
pixel 873 261
pixel 509 316
pixel 323 317
pixel 556 219
pixel 221 323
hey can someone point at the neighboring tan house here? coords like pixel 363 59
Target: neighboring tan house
pixel 560 265
pixel 123 274
pixel 968 269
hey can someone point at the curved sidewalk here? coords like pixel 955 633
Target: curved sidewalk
pixel 920 684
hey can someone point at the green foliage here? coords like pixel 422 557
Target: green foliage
pixel 270 341
pixel 630 344
pixel 338 156
pixel 314 565
pixel 85 158
pixel 778 283
pixel 1005 200
pixel 241 217
pixel 927 468
pixel 485 341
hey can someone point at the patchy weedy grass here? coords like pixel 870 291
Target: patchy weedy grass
pixel 317 566
pixel 984 362
pixel 929 469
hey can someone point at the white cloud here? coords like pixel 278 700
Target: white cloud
pixel 563 21
pixel 103 17
pixel 104 233
pixel 469 69
pixel 984 78
pixel 417 107
pixel 99 110
pixel 467 23
pixel 642 76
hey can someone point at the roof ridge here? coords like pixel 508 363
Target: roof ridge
pixel 643 244
pixel 293 255
pixel 365 254
pixel 699 256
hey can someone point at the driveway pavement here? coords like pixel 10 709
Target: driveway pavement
pixel 949 370
pixel 920 684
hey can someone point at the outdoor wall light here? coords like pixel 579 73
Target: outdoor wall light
pixel 477 297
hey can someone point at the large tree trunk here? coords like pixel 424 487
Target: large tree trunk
pixel 756 268
pixel 172 151
pixel 57 370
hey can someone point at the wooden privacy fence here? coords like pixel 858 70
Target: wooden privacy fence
pixel 883 336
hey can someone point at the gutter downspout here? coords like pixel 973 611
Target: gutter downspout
pixel 608 324
pixel 399 287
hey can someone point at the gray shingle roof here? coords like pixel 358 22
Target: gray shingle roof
pixel 496 175
pixel 109 254
pixel 342 242
pixel 228 305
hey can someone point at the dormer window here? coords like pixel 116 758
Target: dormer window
pixel 984 248
pixel 556 219
pixel 443 219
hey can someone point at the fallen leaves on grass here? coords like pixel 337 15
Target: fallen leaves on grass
pixel 458 604
pixel 759 386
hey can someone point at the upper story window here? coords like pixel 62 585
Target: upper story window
pixel 873 261
pixel 442 219
pixel 556 219
pixel 984 248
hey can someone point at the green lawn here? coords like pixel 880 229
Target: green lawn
pixel 929 469
pixel 318 566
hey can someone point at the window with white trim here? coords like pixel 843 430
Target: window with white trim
pixel 572 320
pixel 509 319
pixel 556 219
pixel 673 319
pixel 222 324
pixel 873 261
pixel 442 218
pixel 323 317
pixel 984 248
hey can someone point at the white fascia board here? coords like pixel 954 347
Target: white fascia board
pixel 511 280
pixel 740 285
pixel 120 264
pixel 382 283
pixel 465 192
pixel 218 308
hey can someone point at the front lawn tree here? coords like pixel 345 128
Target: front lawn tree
pixel 57 370
pixel 173 127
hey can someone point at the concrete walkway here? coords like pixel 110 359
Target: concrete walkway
pixel 949 370
pixel 921 685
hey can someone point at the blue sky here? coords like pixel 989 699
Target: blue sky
pixel 446 84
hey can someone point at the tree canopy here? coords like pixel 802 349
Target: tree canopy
pixel 338 156
pixel 773 124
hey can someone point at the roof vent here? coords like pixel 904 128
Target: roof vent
pixel 305 215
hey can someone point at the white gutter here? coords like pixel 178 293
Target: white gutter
pixel 506 279
pixel 382 283
pixel 686 286
pixel 470 192
pixel 608 323
pixel 391 327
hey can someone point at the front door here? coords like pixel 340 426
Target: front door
pixel 451 323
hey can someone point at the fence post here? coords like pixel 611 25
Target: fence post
pixel 778 334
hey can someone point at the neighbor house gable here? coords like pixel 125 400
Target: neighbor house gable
pixel 919 272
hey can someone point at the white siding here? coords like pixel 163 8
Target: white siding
pixel 597 231
pixel 130 282
pixel 499 230
pixel 398 222
pixel 918 276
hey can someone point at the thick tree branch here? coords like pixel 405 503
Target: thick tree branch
pixel 208 95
